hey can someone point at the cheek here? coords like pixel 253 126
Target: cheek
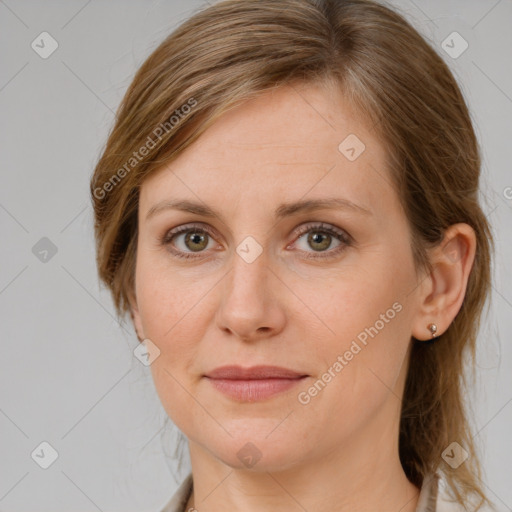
pixel 359 370
pixel 355 303
pixel 365 323
pixel 175 312
pixel 167 300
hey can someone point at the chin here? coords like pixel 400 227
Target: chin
pixel 257 453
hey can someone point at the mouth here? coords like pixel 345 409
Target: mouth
pixel 253 384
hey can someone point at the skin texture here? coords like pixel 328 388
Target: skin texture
pixel 340 450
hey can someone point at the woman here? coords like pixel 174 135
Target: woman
pixel 287 206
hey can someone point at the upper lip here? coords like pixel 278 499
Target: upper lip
pixel 234 372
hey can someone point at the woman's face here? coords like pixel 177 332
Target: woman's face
pixel 327 292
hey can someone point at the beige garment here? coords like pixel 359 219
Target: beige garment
pixel 429 499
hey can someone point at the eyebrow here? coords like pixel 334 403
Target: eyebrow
pixel 282 211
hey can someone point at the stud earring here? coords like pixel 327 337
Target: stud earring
pixel 433 329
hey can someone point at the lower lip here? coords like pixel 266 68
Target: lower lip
pixel 255 389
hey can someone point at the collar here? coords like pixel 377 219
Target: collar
pixel 427 501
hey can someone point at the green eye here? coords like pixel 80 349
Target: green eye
pixel 197 237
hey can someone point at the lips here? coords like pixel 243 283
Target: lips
pixel 253 384
pixel 253 373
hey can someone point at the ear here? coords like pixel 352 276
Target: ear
pixel 442 291
pixel 134 313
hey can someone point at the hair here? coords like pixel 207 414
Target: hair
pixel 235 50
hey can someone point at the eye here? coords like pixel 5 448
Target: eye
pixel 320 237
pixel 193 238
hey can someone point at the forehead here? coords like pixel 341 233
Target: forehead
pixel 295 141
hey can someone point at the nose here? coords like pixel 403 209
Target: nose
pixel 250 307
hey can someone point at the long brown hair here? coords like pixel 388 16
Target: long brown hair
pixel 236 49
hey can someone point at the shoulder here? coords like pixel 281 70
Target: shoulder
pixel 179 499
pixel 446 504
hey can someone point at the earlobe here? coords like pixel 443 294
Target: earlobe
pixel 442 299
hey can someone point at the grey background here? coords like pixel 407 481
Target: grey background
pixel 68 375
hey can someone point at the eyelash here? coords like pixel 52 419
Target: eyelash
pixel 343 237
